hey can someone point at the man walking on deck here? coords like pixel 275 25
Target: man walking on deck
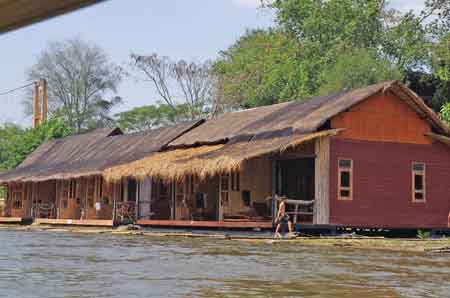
pixel 282 218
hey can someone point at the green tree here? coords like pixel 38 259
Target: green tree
pixel 322 24
pixel 17 143
pixel 322 46
pixel 152 116
pixel 445 113
pixel 356 69
pixel 263 68
pixel 441 58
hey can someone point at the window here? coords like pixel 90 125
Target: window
pixel 345 183
pixel 200 200
pixel 418 182
pixel 235 181
pixel 65 204
pixel 246 198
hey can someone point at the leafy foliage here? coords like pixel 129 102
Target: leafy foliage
pixel 321 24
pixel 445 113
pixel 442 59
pixel 324 46
pixel 423 235
pixel 263 68
pixel 17 143
pixel 152 116
pixel 358 68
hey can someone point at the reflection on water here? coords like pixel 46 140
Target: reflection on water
pixel 50 264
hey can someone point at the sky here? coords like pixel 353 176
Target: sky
pixel 194 30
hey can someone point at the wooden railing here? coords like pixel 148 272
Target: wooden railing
pixel 43 211
pixel 125 211
pixel 296 203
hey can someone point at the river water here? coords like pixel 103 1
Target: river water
pixel 59 264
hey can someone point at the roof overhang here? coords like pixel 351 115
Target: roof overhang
pixel 440 138
pixel 15 14
pixel 206 161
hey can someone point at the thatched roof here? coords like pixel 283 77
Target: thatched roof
pixel 91 153
pixel 208 160
pixel 225 143
pixel 15 14
pixel 203 148
pixel 297 117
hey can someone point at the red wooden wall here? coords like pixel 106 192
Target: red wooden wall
pixel 382 191
pixel 383 117
pixel 383 137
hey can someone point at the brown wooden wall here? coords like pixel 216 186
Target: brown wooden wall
pixel 383 117
pixel 382 181
pixel 255 177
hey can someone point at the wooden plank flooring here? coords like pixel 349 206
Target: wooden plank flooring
pixel 75 222
pixel 11 220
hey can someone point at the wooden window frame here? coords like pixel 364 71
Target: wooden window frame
pixel 423 173
pixel 340 188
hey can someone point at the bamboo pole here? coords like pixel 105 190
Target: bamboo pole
pixel 43 117
pixel 36 105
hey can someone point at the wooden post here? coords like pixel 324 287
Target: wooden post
pixel 274 210
pixel 36 105
pixel 274 191
pixel 322 181
pixel 57 200
pixel 295 215
pixel 44 101
pixel 114 195
pixel 173 190
pixel 138 196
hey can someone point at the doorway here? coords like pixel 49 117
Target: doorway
pixel 296 181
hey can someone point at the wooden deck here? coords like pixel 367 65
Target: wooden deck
pixel 75 222
pixel 234 224
pixel 12 220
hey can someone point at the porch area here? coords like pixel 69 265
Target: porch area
pixel 85 201
pixel 243 198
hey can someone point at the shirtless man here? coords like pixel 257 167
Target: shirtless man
pixel 282 218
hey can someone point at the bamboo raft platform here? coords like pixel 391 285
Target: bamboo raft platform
pixel 227 224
